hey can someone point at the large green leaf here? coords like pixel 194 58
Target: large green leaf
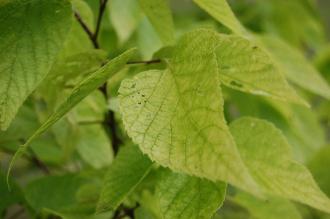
pixel 126 172
pixel 270 208
pixel 80 91
pixel 188 197
pixel 176 116
pixel 245 66
pixel 296 67
pixel 267 155
pixel 222 12
pixel 32 34
pixel 159 14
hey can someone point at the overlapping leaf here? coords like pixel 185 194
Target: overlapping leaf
pixel 81 90
pixel 291 62
pixel 32 34
pixel 267 155
pixel 176 116
pixel 222 12
pixel 245 66
pixel 296 67
pixel 188 197
pixel 127 171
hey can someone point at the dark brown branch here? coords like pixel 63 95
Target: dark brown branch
pixel 86 29
pixel 115 141
pixel 103 3
pixel 110 123
pixel 144 62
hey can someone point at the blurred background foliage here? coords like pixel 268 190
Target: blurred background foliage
pixel 77 151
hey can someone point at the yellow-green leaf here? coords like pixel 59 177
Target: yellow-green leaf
pixel 267 155
pixel 188 197
pixel 244 66
pixel 176 115
pixel 221 11
pixel 296 67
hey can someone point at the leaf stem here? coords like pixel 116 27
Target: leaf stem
pixel 144 62
pixel 86 29
pixel 99 19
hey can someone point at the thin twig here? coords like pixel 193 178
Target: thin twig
pixel 144 62
pixel 86 29
pixel 103 3
pixel 34 159
pixel 41 165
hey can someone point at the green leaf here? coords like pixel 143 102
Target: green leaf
pixel 246 67
pixel 296 67
pixel 32 34
pixel 81 90
pixel 77 40
pixel 319 166
pixel 8 197
pixel 300 27
pixel 125 16
pixel 68 71
pixel 176 116
pixel 221 11
pixel 147 39
pixel 126 172
pixel 53 192
pixel 94 145
pixel 268 156
pixel 187 197
pixel 271 208
pixel 92 109
pixel 159 15
pixel 305 132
